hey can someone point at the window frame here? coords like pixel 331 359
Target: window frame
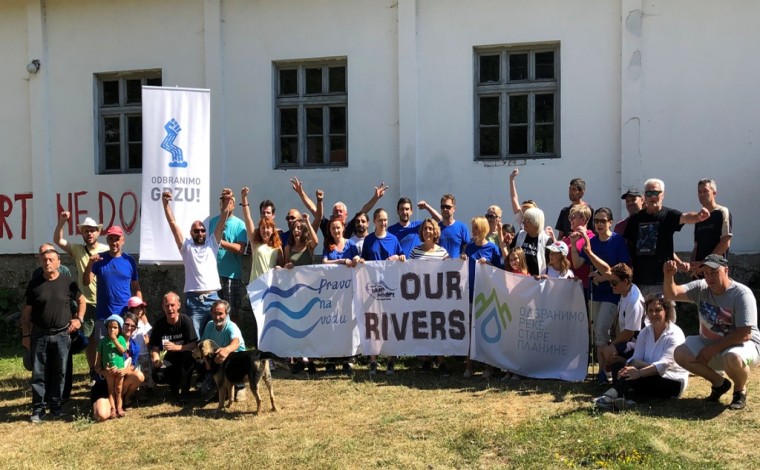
pixel 123 111
pixel 302 101
pixel 505 88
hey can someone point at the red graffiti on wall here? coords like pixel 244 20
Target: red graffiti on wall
pixel 81 204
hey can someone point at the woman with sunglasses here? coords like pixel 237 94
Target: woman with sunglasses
pixel 611 248
pixel 652 371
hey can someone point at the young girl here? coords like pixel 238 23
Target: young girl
pixel 481 251
pixel 109 358
pixel 559 265
pixel 133 377
pixel 266 246
pixel 301 244
pixel 516 262
pixel 141 336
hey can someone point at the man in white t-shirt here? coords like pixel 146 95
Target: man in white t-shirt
pixel 199 258
pixel 728 339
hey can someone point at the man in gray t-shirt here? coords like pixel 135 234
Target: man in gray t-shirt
pixel 728 336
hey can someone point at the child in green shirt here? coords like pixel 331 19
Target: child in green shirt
pixel 109 358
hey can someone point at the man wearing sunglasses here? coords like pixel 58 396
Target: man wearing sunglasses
pixel 199 254
pixel 649 235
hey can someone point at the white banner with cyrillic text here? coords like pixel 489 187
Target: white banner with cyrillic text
pixel 533 328
pixel 305 311
pixel 175 157
pixel 412 308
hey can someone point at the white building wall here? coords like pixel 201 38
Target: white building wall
pixel 410 98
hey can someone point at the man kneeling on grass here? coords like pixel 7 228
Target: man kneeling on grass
pixel 226 334
pixel 728 336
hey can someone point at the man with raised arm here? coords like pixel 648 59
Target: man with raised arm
pixel 728 336
pixel 81 253
pixel 199 258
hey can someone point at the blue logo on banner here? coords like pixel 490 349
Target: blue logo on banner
pixel 172 130
pixel 496 314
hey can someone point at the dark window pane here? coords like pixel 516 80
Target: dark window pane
pixel 545 64
pixel 289 150
pixel 289 121
pixel 545 138
pixel 288 82
pixel 518 67
pixel 112 131
pixel 315 150
pixel 489 141
pixel 337 119
pixel 337 150
pixel 337 80
pixel 134 91
pixel 489 110
pixel 518 140
pixel 544 108
pixel 111 93
pixel 153 81
pixel 489 69
pixel 313 81
pixel 134 128
pixel 135 156
pixel 113 157
pixel 314 121
pixel 518 109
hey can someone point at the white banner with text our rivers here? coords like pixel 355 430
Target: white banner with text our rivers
pixel 533 328
pixel 412 308
pixel 306 311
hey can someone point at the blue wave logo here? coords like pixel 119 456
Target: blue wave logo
pixel 285 328
pixel 297 314
pixel 173 129
pixel 286 292
pixel 495 312
pixel 380 290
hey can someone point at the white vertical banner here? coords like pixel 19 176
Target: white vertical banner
pixel 176 158
pixel 305 311
pixel 534 328
pixel 412 308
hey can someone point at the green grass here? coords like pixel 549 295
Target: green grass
pixel 404 421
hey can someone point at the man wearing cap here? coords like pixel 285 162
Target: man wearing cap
pixel 174 333
pixel 46 325
pixel 81 253
pixel 229 258
pixel 728 336
pixel 712 236
pixel 649 235
pixel 116 273
pixel 633 204
pixel 199 258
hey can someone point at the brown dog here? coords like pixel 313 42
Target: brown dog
pixel 239 367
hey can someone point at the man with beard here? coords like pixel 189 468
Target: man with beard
pixel 405 229
pixel 81 253
pixel 361 229
pixel 199 258
pixel 117 277
pixel 226 334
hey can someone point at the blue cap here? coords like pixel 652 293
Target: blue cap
pixel 117 319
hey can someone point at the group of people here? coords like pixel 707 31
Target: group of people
pixel 626 269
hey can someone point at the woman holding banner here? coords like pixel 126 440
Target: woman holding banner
pixel 533 240
pixel 611 248
pixel 652 371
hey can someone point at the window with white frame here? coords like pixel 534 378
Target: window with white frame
pixel 517 102
pixel 119 119
pixel 310 121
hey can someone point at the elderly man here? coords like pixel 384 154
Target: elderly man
pixel 339 211
pixel 225 333
pixel 712 236
pixel 46 326
pixel 174 334
pixel 117 277
pixel 634 202
pixel 728 336
pixel 81 253
pixel 649 235
pixel 229 259
pixel 199 258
